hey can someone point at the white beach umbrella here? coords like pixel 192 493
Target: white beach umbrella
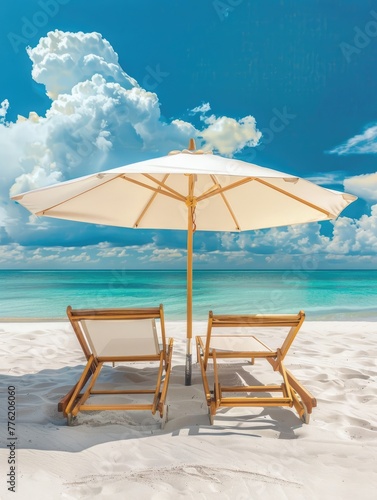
pixel 188 190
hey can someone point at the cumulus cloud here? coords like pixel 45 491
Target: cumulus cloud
pixel 227 135
pixel 111 257
pixel 38 177
pixel 299 239
pixel 349 237
pixel 3 110
pixel 3 216
pixel 112 252
pixel 58 257
pixel 354 237
pixel 202 109
pixel 327 178
pixel 364 143
pixel 363 186
pixel 62 60
pixel 224 134
pixel 164 255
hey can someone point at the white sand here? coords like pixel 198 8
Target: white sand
pixel 248 453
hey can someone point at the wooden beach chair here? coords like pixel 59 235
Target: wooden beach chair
pixel 118 336
pixel 231 345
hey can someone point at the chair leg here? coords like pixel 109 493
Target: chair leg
pixel 159 401
pixel 70 419
pixel 306 397
pixel 300 407
pixel 75 410
pixel 306 416
pixel 164 415
pixel 62 405
pixel 211 412
pixel 80 384
pixel 157 393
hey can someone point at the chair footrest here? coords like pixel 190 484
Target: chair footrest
pixel 141 391
pixel 256 402
pixel 253 388
pixel 115 407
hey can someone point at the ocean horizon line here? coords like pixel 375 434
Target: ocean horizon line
pixel 184 270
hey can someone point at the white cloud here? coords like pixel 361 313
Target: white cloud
pixel 3 216
pixel 227 135
pixel 366 232
pixel 11 253
pixel 164 255
pixel 81 257
pixel 111 257
pixel 327 178
pixel 363 186
pixel 203 108
pixel 62 60
pixel 344 237
pixel 364 143
pixel 350 237
pixel 3 110
pixel 299 239
pixel 37 178
pixel 106 251
pixel 56 257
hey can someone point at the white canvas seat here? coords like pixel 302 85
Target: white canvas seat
pixel 124 337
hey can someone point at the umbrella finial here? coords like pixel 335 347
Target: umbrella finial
pixel 191 150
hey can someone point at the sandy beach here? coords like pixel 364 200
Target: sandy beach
pixel 247 453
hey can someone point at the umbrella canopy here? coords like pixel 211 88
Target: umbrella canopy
pixel 190 190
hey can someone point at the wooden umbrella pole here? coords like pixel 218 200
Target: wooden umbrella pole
pixel 188 369
pixel 190 202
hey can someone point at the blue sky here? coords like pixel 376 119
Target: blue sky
pixel 308 66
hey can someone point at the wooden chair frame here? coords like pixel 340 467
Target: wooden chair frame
pixel 292 393
pixel 74 402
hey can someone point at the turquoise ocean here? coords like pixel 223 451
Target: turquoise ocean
pixel 323 295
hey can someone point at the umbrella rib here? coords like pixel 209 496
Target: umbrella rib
pixel 304 202
pixel 172 194
pixel 226 203
pixel 162 184
pixel 226 188
pixel 267 184
pixel 42 212
pixel 159 191
pixel 149 203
